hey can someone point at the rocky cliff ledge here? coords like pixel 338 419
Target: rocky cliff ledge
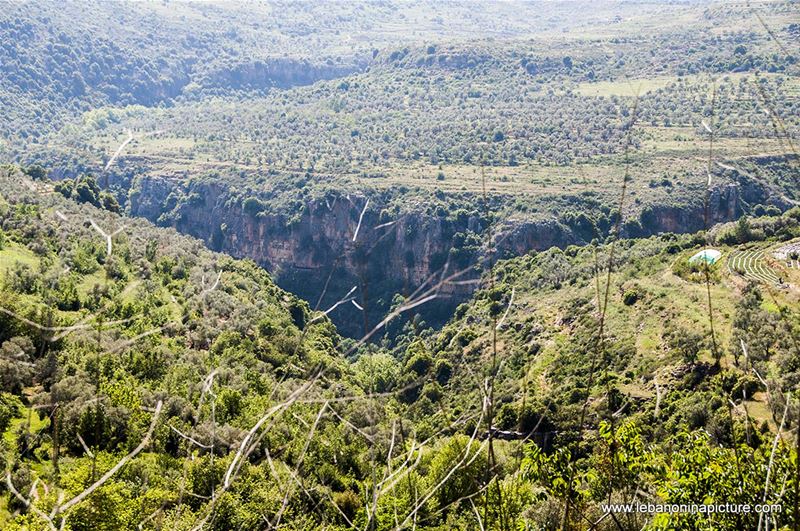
pixel 314 253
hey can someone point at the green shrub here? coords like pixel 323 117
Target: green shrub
pixel 253 206
pixel 630 297
pixel 36 172
pixel 10 408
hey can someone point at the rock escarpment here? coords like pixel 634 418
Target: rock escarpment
pixel 313 253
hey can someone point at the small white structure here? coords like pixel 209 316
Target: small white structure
pixel 709 256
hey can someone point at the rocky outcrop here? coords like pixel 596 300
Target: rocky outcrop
pixel 318 255
pixel 522 236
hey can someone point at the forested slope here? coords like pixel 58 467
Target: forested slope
pixel 99 340
pixel 641 377
pixel 237 406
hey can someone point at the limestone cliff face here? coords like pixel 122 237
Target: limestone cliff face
pixel 318 249
pixel 727 201
pixel 724 204
pixel 316 256
pixel 324 233
pixel 522 236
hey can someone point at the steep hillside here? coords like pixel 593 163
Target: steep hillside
pixel 100 339
pixel 152 383
pixel 546 310
pixel 75 57
pixel 575 359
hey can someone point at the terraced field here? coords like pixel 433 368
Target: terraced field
pixel 752 265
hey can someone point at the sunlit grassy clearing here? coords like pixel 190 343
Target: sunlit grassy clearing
pixel 632 87
pixel 13 253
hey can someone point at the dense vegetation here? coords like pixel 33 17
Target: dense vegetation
pixel 58 62
pixel 555 168
pixel 495 111
pixel 92 342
